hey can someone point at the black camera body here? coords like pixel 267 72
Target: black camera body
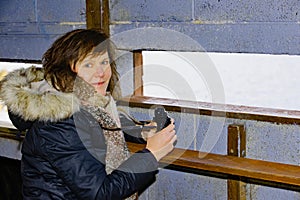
pixel 161 118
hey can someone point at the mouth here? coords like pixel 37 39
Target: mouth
pixel 99 83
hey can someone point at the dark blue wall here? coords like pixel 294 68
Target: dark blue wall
pixel 28 27
pixel 268 26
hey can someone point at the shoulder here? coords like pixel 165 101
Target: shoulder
pixel 62 131
pixel 76 133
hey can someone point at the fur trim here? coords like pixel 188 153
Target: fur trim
pixel 22 99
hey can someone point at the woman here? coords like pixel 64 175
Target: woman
pixel 74 148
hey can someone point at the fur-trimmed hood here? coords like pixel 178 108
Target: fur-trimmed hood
pixel 27 94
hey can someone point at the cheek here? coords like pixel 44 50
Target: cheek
pixel 108 73
pixel 85 76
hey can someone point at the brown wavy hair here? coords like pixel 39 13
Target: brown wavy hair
pixel 60 59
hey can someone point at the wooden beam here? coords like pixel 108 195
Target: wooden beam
pixel 138 73
pixel 97 15
pixel 278 116
pixel 260 172
pixel 236 146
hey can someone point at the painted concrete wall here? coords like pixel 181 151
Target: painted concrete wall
pixel 28 27
pixel 268 27
pixel 218 26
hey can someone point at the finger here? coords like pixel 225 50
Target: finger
pixel 173 131
pixel 172 121
pixel 174 139
pixel 170 127
pixel 170 135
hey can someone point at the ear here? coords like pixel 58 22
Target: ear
pixel 73 67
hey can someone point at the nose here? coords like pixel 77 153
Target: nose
pixel 99 71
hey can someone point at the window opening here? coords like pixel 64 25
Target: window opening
pixel 259 80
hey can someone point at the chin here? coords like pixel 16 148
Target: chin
pixel 101 91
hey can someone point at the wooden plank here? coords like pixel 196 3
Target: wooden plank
pixel 233 141
pixel 138 73
pixel 11 133
pixel 93 14
pixel 105 16
pixel 249 170
pixel 261 172
pixel 236 146
pixel 211 109
pixel 97 15
pixel 236 190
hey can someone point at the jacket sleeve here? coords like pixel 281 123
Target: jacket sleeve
pixel 84 174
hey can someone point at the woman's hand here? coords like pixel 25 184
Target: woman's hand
pixel 162 143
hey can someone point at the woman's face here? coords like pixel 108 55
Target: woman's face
pixel 96 70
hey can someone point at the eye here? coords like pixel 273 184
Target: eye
pixel 104 62
pixel 88 65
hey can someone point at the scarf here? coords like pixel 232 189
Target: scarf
pixel 104 110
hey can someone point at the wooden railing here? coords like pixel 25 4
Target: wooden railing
pixel 212 109
pixel 260 172
pixel 230 167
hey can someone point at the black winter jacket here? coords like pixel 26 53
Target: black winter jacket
pixel 63 155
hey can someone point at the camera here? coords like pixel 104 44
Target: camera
pixel 161 118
